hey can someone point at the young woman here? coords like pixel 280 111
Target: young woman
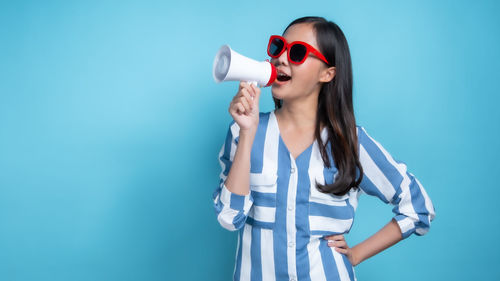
pixel 291 178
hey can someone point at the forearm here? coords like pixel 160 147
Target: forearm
pixel 238 179
pixel 389 235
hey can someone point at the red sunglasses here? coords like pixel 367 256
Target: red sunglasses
pixel 297 50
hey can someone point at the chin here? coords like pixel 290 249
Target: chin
pixel 282 94
pixel 276 95
pixel 278 91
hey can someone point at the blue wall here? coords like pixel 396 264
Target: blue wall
pixel 111 123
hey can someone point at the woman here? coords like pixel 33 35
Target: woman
pixel 291 178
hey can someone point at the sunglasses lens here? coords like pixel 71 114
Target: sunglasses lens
pixel 297 52
pixel 276 46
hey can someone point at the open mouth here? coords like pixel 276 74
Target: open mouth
pixel 282 77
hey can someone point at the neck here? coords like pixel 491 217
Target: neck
pixel 299 114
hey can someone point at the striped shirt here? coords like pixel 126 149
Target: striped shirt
pixel 282 221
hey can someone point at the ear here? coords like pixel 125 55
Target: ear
pixel 327 74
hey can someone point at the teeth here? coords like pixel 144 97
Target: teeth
pixel 283 77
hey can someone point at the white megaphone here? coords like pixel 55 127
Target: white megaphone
pixel 231 66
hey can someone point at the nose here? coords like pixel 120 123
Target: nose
pixel 283 59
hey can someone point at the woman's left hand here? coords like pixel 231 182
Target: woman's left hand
pixel 340 245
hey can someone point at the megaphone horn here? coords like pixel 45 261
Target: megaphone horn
pixel 232 66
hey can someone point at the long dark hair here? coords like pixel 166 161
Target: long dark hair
pixel 335 109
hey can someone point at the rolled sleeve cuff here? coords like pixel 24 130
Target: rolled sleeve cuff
pixel 235 201
pixel 406 225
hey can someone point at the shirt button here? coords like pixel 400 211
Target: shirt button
pixel 290 244
pixel 292 278
pixel 292 170
pixel 290 208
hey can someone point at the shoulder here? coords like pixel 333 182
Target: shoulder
pixel 365 139
pixel 370 144
pixel 359 129
pixel 361 133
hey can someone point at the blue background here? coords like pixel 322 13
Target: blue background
pixel 111 124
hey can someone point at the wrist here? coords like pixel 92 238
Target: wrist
pixel 355 256
pixel 248 133
pixel 246 138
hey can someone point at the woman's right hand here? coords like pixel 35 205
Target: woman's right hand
pixel 244 108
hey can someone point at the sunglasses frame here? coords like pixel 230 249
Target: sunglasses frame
pixel 288 46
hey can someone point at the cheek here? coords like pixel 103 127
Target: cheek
pixel 305 77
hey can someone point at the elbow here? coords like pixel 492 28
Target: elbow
pixel 231 209
pixel 231 220
pixel 423 225
pixel 421 228
pixel 228 218
pixel 416 211
pixel 419 224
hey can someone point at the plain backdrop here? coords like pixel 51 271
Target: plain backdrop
pixel 111 124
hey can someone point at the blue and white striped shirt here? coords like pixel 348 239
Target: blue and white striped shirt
pixel 282 221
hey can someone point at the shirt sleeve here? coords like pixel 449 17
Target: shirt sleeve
pixel 231 208
pixel 389 180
